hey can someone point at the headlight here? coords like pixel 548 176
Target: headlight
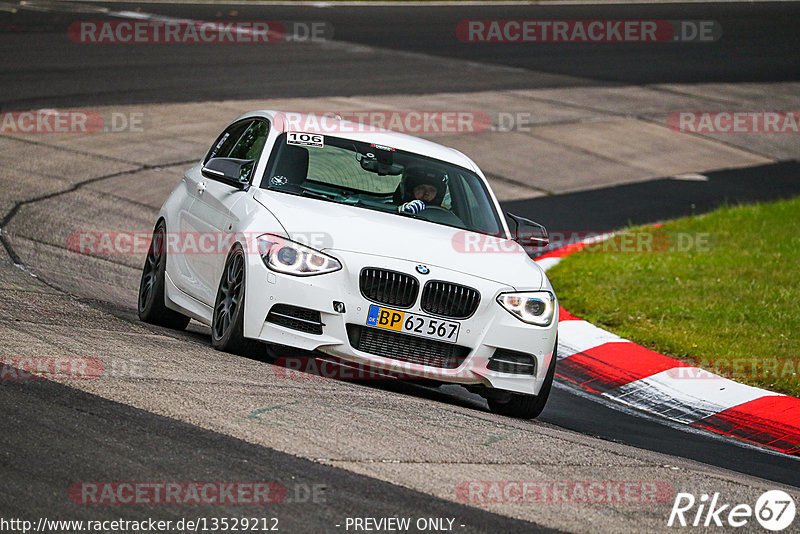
pixel 532 307
pixel 288 257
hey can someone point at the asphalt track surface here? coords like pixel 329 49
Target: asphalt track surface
pixel 759 42
pixel 609 208
pixel 72 431
pixel 82 436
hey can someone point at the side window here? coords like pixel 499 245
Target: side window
pixel 471 204
pixel 227 140
pixel 252 141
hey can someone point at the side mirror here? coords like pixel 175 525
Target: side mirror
pixel 233 171
pixel 529 234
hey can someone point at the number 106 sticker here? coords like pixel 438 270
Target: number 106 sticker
pixel 305 139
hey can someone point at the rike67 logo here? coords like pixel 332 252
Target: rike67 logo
pixel 774 510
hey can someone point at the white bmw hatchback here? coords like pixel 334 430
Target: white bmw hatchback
pixel 378 248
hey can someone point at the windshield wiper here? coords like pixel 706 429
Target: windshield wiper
pixel 314 194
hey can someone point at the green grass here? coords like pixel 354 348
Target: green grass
pixel 730 305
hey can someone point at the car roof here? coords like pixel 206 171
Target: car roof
pixel 329 125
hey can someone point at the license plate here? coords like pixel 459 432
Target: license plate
pixel 412 323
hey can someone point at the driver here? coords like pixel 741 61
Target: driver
pixel 420 187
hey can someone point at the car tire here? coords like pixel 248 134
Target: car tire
pixel 227 324
pixel 527 406
pixel 151 302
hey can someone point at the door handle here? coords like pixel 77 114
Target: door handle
pixel 201 186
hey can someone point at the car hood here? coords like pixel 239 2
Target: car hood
pixel 329 226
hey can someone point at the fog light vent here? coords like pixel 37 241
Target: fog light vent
pixel 509 361
pixel 296 318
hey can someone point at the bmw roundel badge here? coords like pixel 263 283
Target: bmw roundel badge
pixel 423 269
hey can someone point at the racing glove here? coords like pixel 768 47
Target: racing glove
pixel 414 206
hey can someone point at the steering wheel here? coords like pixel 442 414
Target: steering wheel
pixel 428 207
pixel 440 215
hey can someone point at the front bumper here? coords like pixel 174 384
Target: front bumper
pixel 490 328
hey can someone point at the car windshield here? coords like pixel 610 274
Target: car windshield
pixel 381 178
